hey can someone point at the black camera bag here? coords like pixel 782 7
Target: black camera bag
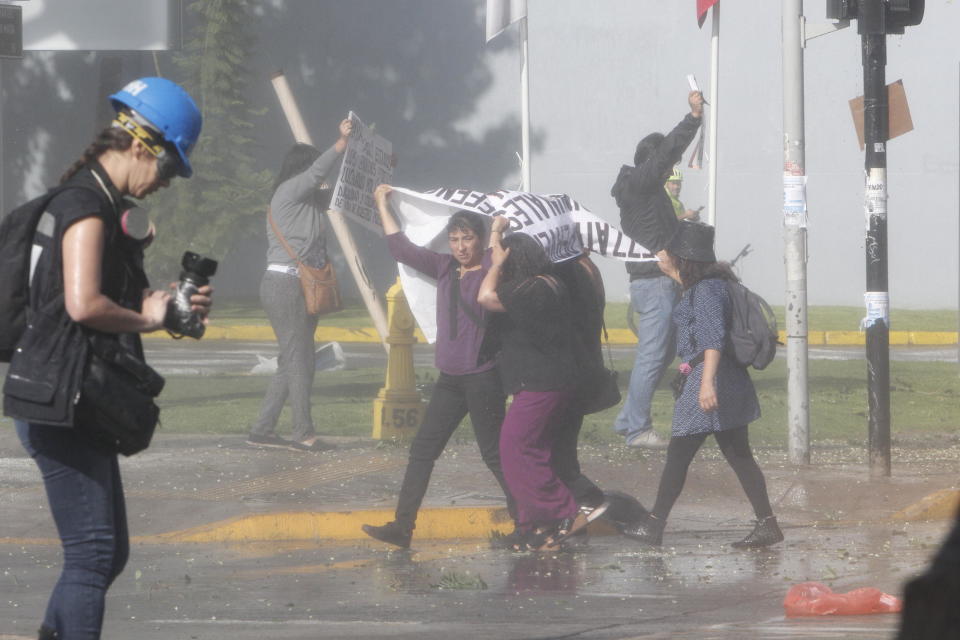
pixel 116 407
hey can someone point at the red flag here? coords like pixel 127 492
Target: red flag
pixel 702 7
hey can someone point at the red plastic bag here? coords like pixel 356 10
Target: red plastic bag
pixel 815 599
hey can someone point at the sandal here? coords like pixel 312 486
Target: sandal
pixel 570 527
pixel 538 539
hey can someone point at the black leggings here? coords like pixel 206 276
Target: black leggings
pixel 735 446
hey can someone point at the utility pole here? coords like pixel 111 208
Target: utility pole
pixel 877 298
pixel 875 19
pixel 795 234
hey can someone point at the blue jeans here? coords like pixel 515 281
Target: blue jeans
pixel 653 300
pixel 86 498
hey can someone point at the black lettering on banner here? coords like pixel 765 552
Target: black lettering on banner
pixel 459 196
pixel 515 224
pixel 579 234
pixel 603 235
pixel 544 240
pixel 487 208
pixel 476 197
pixel 512 203
pixel 538 209
pixel 616 247
pixel 555 206
pixel 433 192
pixel 631 251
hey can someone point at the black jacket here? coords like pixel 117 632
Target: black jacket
pixel 646 214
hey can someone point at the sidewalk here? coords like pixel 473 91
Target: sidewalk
pixel 617 336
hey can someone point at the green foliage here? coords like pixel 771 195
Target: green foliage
pixel 226 197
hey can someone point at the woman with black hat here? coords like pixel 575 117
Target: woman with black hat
pixel 717 396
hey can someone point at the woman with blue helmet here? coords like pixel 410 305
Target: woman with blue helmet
pixel 90 273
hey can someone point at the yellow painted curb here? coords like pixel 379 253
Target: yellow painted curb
pixel 432 524
pixel 263 333
pixel 940 505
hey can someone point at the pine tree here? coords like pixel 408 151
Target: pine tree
pixel 226 197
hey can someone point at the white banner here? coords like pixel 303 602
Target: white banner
pixel 562 225
pixel 367 162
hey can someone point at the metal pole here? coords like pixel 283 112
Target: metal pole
pixel 795 234
pixel 525 105
pixel 714 110
pixel 875 134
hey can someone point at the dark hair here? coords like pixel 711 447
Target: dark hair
pixel 111 138
pixel 467 221
pixel 296 162
pixel 646 147
pixel 693 271
pixel 527 258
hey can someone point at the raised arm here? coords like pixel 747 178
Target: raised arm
pixel 487 297
pixel 302 186
pixel 653 172
pixel 380 195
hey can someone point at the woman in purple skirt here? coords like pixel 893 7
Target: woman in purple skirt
pixel 538 367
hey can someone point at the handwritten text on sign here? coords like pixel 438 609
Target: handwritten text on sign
pixel 367 162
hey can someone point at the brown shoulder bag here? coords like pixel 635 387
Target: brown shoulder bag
pixel 320 291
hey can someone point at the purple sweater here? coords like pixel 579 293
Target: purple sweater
pixel 455 354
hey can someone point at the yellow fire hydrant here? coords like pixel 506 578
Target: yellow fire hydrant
pixel 398 408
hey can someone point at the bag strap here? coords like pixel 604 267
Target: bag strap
pixel 283 241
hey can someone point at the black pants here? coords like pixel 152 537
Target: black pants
pixel 735 446
pixel 566 463
pixel 480 395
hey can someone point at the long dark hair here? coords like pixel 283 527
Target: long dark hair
pixel 110 139
pixel 527 258
pixel 295 162
pixel 693 271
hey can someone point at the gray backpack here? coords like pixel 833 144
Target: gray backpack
pixel 753 336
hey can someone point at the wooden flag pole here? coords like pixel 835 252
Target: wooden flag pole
pixel 337 222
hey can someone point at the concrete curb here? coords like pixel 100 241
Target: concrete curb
pixel 441 523
pixel 617 336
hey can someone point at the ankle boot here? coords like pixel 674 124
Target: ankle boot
pixel 392 533
pixel 46 633
pixel 765 533
pixel 648 531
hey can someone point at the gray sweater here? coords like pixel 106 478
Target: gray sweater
pixel 296 210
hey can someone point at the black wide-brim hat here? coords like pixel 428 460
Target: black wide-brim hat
pixel 693 241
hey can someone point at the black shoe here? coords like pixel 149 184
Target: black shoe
pixel 505 540
pixel 649 531
pixel 318 445
pixel 765 533
pixel 46 633
pixel 392 533
pixel 271 441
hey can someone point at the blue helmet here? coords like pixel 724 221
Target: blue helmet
pixel 169 109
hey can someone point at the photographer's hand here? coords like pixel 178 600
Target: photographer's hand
pixel 201 301
pixel 154 308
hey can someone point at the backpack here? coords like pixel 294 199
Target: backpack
pixel 16 245
pixel 753 333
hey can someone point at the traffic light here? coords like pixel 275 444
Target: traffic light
pixel 896 14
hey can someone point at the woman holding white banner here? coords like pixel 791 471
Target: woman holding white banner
pixel 469 381
pixel 538 365
pixel 296 232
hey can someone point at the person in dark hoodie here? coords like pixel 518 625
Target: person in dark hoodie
pixel 647 216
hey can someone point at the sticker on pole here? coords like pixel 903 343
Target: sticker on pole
pixel 795 201
pixel 878 309
pixel 367 162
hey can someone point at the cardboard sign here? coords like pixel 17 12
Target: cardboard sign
pixel 367 162
pixel 900 121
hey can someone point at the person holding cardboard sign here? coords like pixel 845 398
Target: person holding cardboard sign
pixel 297 234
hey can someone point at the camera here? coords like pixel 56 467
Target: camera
pixel 197 272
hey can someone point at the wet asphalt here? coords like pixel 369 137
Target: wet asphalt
pixel 838 523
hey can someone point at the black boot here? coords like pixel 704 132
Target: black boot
pixel 648 531
pixel 392 533
pixel 765 533
pixel 46 633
